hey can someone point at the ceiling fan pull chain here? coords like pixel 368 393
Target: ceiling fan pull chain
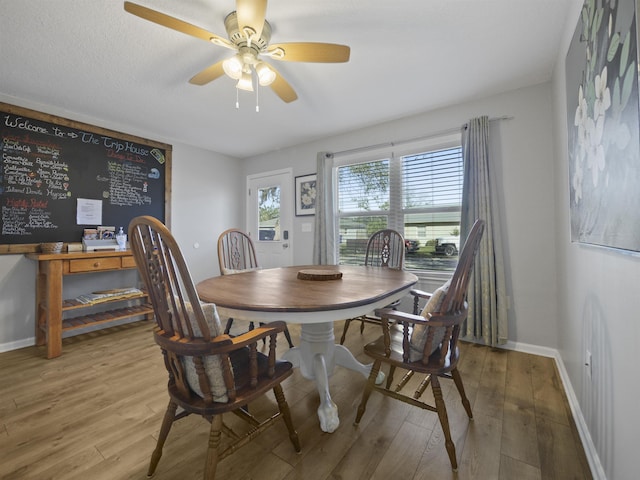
pixel 257 98
pixel 237 100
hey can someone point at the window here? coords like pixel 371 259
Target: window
pixel 418 193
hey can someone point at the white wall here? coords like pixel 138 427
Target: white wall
pixel 17 301
pixel 599 301
pixel 206 194
pixel 205 186
pixel 522 148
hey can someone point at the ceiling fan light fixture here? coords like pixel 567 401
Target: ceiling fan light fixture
pixel 245 82
pixel 249 36
pixel 233 67
pixel 266 75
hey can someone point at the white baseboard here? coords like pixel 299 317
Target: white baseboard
pixel 31 341
pixel 589 448
pixel 532 349
pixel 25 342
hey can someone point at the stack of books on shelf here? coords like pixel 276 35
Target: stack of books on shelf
pixel 108 295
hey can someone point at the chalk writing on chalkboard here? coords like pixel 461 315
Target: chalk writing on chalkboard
pixel 47 163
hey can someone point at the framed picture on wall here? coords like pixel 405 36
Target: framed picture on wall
pixel 306 195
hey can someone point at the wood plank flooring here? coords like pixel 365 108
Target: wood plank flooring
pixel 95 412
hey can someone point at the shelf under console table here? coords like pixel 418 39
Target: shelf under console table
pixel 50 306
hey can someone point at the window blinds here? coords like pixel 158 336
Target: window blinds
pixel 432 179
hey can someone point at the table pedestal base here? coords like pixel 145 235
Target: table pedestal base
pixel 316 358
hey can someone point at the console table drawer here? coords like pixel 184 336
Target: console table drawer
pixel 94 264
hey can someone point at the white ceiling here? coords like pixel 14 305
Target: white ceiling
pixel 407 57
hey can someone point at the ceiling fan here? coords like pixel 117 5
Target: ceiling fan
pixel 248 34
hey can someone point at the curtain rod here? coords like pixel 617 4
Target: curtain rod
pixel 411 140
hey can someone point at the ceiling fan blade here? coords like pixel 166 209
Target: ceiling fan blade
pixel 309 52
pixel 282 88
pixel 207 75
pixel 251 13
pixel 175 24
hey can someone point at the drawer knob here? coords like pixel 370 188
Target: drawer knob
pixel 96 265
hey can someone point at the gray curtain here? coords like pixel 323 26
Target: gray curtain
pixel 324 252
pixel 487 319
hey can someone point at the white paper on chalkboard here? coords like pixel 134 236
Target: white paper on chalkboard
pixel 89 212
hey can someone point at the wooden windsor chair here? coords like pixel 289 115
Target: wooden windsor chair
pixel 385 249
pixel 210 373
pixel 236 253
pixel 426 344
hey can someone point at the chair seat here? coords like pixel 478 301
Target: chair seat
pixel 376 350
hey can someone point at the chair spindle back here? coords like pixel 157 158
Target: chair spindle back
pixel 385 248
pixel 236 252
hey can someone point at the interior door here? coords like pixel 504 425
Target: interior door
pixel 269 217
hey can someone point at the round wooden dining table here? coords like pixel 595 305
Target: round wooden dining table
pixel 313 296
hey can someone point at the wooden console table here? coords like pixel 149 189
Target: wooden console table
pixel 50 306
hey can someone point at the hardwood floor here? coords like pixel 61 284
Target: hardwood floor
pixel 94 413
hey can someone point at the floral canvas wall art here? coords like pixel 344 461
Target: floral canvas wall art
pixel 603 126
pixel 306 195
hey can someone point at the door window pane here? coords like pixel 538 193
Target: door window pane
pixel 269 213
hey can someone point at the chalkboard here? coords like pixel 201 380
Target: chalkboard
pixel 57 173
